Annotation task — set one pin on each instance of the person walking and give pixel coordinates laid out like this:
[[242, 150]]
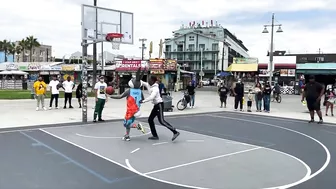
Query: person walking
[[238, 92], [313, 92], [157, 110], [223, 92], [191, 91], [101, 99], [79, 94], [68, 87], [54, 86], [40, 88], [267, 97]]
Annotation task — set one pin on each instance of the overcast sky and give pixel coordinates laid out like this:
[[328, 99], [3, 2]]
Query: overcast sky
[[307, 24]]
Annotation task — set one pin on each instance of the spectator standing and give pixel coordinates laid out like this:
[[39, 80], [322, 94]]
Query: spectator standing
[[191, 91], [267, 97], [223, 92], [68, 87], [54, 86], [258, 96], [101, 99], [79, 94], [329, 101], [238, 92], [249, 100], [40, 88]]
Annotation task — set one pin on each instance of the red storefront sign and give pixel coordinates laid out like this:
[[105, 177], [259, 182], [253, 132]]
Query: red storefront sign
[[129, 65], [170, 65]]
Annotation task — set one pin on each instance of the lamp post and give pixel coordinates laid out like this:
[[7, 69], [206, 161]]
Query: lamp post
[[201, 72], [143, 47], [270, 67]]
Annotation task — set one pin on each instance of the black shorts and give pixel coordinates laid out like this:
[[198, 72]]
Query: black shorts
[[223, 98], [313, 104]]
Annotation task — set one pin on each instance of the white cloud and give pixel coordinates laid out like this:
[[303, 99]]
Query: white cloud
[[57, 22]]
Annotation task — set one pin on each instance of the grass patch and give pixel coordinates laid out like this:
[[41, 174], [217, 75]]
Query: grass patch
[[26, 94]]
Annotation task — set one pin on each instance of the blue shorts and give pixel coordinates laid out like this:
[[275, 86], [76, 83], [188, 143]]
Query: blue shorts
[[128, 123]]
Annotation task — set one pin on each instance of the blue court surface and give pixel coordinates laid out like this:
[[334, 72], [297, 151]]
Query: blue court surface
[[226, 150]]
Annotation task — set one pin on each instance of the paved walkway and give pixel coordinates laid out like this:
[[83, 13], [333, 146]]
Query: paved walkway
[[18, 113]]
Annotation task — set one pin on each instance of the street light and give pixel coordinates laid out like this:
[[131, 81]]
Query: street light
[[279, 30]]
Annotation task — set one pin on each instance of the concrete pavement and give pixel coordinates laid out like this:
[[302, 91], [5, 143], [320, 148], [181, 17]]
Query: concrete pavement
[[18, 113]]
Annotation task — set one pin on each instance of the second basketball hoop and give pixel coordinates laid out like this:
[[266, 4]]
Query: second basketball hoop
[[115, 39]]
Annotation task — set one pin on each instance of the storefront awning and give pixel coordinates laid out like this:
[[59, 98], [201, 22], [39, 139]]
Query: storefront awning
[[316, 72], [242, 68]]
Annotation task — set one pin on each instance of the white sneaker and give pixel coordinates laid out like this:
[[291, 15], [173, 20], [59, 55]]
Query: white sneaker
[[49, 108], [37, 108], [57, 108], [44, 108]]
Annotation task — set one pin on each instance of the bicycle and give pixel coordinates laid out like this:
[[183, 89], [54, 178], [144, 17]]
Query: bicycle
[[276, 97], [183, 102]]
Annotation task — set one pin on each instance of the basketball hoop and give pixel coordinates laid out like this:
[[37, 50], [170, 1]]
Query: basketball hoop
[[115, 39]]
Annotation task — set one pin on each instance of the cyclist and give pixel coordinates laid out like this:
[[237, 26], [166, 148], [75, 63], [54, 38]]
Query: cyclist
[[276, 91]]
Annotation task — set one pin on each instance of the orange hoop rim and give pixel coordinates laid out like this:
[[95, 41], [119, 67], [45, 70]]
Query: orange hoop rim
[[111, 36]]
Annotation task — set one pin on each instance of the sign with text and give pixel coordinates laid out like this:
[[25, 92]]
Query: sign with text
[[156, 66], [130, 65], [245, 60], [170, 65], [12, 67], [68, 67], [34, 67]]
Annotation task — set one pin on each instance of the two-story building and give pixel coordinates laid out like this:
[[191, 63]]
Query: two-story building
[[211, 48]]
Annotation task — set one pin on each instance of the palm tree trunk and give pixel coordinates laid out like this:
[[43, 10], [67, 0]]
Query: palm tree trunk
[[30, 55], [23, 54], [5, 51]]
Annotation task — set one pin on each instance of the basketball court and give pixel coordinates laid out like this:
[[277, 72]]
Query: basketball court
[[217, 151]]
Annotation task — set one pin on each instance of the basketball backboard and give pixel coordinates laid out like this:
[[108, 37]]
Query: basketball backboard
[[108, 21]]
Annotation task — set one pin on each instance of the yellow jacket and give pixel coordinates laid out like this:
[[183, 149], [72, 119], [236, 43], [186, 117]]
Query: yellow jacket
[[40, 87]]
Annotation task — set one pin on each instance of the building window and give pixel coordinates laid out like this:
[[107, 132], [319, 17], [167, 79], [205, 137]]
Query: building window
[[191, 38], [179, 57], [215, 46], [168, 48], [191, 47], [191, 56], [319, 59], [180, 48], [202, 46]]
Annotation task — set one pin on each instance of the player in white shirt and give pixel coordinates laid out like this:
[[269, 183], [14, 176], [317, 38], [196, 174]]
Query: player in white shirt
[[101, 99], [54, 86], [68, 87], [157, 110]]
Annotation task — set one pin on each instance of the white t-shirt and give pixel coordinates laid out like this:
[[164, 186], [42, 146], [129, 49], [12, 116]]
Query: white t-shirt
[[53, 84], [101, 90], [68, 85]]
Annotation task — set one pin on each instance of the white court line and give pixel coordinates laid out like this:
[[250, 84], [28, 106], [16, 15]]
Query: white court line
[[119, 164], [202, 160], [195, 140], [109, 137], [159, 143], [307, 177], [135, 150]]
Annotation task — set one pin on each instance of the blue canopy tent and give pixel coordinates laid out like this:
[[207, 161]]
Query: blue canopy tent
[[223, 74]]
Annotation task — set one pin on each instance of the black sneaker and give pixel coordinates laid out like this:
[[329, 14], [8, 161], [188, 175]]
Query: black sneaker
[[153, 138], [126, 138], [101, 120], [175, 136], [94, 121], [70, 107], [320, 122], [311, 121]]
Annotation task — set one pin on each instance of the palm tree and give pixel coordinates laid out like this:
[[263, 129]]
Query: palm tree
[[31, 44], [18, 50], [12, 49], [5, 46], [24, 46]]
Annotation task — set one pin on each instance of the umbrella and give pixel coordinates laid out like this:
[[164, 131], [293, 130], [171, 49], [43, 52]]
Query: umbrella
[[223, 74]]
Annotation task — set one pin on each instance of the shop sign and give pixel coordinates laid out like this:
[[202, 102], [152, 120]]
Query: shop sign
[[157, 72], [57, 68], [130, 65], [34, 67], [12, 67], [23, 68], [78, 68], [68, 68], [156, 66], [245, 60], [170, 65]]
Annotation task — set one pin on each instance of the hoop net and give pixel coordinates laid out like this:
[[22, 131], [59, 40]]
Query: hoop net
[[114, 39]]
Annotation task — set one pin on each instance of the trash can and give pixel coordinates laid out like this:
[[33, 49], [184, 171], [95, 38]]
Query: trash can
[[167, 103]]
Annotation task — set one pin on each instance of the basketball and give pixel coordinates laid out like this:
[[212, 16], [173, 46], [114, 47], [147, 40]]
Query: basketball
[[110, 90]]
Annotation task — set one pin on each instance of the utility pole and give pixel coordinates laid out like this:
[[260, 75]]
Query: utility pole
[[94, 63], [143, 47]]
